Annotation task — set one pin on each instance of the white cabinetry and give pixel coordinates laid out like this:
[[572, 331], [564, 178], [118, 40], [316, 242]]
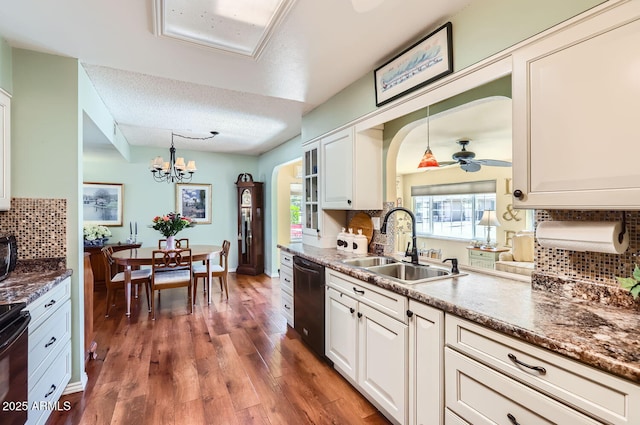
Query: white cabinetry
[[490, 376], [366, 336], [426, 378], [286, 286], [575, 126], [49, 349], [351, 170], [320, 228], [5, 151]]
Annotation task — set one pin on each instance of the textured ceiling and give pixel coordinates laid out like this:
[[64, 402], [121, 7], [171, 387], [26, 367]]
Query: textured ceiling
[[155, 85]]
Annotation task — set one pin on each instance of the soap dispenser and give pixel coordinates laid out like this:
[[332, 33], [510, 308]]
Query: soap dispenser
[[349, 241], [360, 243]]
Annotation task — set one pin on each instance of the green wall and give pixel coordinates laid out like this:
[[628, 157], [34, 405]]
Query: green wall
[[480, 30], [145, 198], [45, 156], [268, 166]]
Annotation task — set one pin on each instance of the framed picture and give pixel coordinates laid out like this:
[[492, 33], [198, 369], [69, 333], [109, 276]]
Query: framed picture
[[194, 201], [102, 203], [426, 61]]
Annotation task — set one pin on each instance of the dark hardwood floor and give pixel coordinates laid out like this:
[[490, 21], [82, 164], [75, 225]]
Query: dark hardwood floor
[[232, 362]]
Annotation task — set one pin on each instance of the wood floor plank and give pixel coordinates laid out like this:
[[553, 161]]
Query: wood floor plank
[[233, 361]]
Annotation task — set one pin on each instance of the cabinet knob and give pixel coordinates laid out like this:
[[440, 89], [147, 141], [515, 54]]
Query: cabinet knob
[[349, 201], [409, 313], [518, 194], [359, 314], [352, 310]]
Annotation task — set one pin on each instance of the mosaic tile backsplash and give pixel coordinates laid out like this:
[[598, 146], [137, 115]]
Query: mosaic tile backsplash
[[40, 227], [588, 275]]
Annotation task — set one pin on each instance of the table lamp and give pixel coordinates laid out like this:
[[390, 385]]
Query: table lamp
[[489, 219]]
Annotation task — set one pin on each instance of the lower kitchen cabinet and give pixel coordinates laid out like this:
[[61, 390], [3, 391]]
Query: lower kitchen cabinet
[[367, 346], [426, 376], [286, 287], [489, 376], [49, 363]]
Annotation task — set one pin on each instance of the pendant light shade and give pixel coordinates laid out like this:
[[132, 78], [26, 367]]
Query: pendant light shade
[[428, 159]]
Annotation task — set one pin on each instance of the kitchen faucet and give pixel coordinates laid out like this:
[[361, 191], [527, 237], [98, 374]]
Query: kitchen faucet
[[414, 249]]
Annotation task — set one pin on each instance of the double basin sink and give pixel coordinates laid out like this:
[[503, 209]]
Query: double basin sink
[[398, 270]]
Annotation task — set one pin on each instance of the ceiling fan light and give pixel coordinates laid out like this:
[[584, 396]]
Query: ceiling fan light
[[428, 160]]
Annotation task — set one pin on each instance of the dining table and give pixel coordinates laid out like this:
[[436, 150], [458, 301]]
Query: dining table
[[143, 256]]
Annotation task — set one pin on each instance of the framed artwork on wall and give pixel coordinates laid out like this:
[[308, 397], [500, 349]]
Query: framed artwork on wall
[[424, 62], [102, 203], [194, 201]]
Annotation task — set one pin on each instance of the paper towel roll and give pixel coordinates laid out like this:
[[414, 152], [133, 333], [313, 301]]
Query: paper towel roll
[[593, 236]]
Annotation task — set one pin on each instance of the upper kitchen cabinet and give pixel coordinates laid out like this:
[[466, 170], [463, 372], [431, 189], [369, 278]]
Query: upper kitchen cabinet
[[352, 170], [5, 151], [576, 97]]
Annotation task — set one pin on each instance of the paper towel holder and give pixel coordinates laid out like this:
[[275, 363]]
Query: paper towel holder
[[624, 228]]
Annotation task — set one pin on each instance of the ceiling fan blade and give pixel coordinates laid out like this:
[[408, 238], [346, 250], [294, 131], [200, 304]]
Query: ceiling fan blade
[[445, 163], [470, 167], [493, 162]]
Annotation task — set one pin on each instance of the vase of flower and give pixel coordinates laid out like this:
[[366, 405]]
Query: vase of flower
[[171, 242], [169, 225]]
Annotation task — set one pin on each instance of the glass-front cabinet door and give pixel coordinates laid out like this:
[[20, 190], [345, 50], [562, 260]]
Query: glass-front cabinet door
[[311, 190]]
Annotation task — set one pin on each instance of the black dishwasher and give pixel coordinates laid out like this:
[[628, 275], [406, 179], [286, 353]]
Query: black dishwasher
[[308, 303]]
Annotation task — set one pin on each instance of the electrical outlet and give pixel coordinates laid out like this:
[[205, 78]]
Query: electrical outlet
[[376, 223]]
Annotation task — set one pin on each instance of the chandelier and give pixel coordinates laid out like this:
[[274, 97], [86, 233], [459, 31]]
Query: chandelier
[[175, 170]]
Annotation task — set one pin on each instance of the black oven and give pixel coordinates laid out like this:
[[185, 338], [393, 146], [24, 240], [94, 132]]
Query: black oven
[[14, 351]]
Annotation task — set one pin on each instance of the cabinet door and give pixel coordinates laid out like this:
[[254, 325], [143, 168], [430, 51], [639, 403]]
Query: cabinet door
[[311, 190], [5, 151], [575, 127], [341, 329], [337, 170], [383, 369], [426, 342]]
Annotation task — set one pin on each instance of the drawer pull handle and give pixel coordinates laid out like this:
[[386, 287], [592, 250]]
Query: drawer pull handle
[[50, 303], [352, 310], [538, 369], [287, 307], [51, 342], [51, 391], [358, 291], [286, 258], [287, 280], [512, 419]]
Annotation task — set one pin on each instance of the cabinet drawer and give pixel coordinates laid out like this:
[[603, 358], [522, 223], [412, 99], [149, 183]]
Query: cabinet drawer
[[481, 395], [41, 308], [600, 394], [387, 302], [482, 254], [286, 305], [286, 259], [50, 387], [47, 338], [286, 279]]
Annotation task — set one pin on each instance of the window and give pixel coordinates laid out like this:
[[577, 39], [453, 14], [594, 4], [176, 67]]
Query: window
[[453, 210], [295, 204]]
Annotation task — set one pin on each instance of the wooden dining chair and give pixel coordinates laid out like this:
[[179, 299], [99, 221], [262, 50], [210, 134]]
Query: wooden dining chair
[[220, 271], [171, 269], [180, 243], [114, 280]]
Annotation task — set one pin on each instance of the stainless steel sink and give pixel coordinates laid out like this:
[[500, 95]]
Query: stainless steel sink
[[411, 273], [369, 261]]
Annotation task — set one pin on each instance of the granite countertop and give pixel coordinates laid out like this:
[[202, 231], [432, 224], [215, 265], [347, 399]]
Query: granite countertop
[[600, 336], [28, 286]]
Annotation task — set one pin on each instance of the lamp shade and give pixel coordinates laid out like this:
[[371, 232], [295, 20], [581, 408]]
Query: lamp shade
[[428, 160], [489, 218]]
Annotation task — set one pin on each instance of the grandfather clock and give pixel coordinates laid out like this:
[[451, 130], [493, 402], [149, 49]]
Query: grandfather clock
[[250, 225]]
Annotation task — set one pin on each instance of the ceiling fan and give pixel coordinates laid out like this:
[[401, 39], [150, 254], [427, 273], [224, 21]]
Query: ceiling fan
[[467, 160]]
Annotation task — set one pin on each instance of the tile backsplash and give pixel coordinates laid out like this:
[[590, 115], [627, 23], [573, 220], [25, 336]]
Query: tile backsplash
[[40, 227], [587, 275]]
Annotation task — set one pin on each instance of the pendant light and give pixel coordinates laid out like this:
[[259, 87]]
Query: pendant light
[[428, 159]]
